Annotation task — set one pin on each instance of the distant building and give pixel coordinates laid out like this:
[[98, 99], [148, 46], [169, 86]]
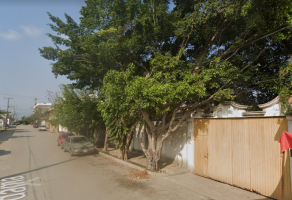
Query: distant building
[[43, 109], [43, 106]]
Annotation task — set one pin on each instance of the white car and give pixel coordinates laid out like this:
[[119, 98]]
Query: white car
[[42, 128]]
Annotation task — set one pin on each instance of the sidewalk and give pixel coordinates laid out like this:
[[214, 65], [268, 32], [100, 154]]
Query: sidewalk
[[138, 158], [202, 187]]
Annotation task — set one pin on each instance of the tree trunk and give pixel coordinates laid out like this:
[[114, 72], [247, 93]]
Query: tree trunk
[[126, 155], [96, 141], [106, 140], [153, 154], [122, 153], [124, 150]]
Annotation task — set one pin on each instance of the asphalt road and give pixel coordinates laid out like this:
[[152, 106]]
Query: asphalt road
[[33, 167]]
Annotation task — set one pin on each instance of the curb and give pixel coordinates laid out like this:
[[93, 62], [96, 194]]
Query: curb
[[131, 165]]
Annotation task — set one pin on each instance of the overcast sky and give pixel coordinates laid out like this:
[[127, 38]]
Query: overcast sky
[[24, 74]]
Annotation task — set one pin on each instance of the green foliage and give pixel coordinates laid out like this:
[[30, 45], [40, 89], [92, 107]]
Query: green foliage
[[2, 113], [38, 115], [116, 108], [77, 111]]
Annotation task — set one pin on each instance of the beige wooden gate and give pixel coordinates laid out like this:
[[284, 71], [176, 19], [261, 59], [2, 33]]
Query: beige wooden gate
[[243, 152]]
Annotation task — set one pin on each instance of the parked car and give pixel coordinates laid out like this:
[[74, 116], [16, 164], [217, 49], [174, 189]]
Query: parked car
[[35, 125], [63, 136], [42, 128], [78, 145]]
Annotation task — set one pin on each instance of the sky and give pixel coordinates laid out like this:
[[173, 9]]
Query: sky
[[24, 74]]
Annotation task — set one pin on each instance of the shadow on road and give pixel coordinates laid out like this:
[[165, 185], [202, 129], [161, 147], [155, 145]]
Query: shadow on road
[[4, 136], [37, 169], [3, 152], [13, 137], [21, 130]]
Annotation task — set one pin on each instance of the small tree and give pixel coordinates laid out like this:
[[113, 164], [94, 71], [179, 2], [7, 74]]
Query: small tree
[[120, 119], [77, 110]]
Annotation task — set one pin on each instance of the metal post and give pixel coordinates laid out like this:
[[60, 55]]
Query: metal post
[[7, 111]]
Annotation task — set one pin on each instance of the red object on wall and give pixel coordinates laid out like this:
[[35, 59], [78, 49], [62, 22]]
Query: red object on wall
[[285, 141]]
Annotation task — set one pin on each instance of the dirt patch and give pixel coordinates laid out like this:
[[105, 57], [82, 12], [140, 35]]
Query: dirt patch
[[139, 174]]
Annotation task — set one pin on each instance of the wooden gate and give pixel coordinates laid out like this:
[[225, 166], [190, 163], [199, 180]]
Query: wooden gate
[[243, 152]]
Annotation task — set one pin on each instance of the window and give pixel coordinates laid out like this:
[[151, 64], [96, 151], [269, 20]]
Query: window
[[67, 135], [79, 139]]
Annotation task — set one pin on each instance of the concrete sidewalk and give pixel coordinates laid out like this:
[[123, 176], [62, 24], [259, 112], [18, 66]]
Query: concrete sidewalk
[[200, 187]]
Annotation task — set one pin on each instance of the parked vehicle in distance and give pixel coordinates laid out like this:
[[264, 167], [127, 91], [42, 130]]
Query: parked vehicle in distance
[[42, 128], [35, 125], [78, 145], [63, 136]]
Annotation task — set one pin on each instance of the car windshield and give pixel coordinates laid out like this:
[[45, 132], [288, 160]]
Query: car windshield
[[66, 135], [79, 139], [42, 126]]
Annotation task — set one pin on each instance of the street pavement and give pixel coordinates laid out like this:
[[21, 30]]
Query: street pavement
[[33, 167]]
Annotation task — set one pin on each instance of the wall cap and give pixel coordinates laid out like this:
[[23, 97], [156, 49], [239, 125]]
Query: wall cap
[[270, 103], [254, 113]]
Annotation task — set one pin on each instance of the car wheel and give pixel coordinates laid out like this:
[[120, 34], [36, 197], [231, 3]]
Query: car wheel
[[62, 146], [58, 143], [71, 152]]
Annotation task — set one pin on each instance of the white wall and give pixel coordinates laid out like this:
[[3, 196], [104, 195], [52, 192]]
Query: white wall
[[178, 147], [62, 129]]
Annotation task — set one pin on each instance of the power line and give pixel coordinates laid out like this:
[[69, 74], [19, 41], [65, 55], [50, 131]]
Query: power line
[[21, 96]]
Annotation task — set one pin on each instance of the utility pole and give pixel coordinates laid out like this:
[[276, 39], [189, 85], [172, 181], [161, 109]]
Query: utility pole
[[7, 111], [35, 100], [14, 118]]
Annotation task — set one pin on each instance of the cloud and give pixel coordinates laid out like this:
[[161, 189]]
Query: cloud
[[10, 35], [31, 31]]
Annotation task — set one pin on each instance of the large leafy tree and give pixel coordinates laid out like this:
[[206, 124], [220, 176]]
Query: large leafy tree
[[173, 62]]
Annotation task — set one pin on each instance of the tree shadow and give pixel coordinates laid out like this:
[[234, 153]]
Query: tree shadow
[[21, 131], [37, 169], [22, 136], [3, 152], [6, 135]]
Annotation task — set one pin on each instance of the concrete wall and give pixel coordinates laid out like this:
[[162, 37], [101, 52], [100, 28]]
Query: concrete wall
[[178, 147], [230, 109]]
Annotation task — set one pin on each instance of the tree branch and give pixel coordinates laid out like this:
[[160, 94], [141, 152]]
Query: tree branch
[[148, 120]]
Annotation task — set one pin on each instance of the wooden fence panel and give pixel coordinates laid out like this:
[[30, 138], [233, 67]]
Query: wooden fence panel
[[219, 151], [244, 152], [240, 153], [257, 156], [201, 149]]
